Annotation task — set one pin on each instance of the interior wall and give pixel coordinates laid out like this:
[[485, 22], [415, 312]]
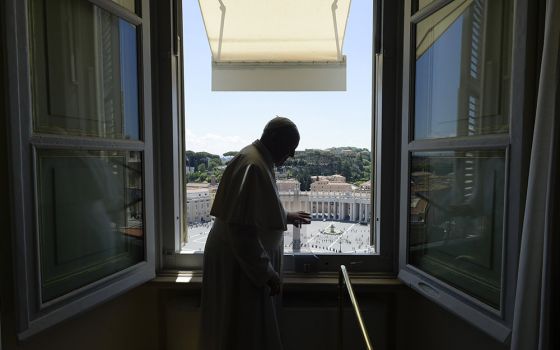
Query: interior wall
[[425, 325], [154, 317], [308, 319], [314, 325], [128, 322], [397, 319]]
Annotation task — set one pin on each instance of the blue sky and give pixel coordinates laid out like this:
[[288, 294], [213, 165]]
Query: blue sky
[[218, 122]]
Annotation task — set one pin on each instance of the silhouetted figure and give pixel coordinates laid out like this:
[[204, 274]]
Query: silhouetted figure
[[243, 254]]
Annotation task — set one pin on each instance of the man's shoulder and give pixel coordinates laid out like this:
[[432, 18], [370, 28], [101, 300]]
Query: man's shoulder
[[250, 155]]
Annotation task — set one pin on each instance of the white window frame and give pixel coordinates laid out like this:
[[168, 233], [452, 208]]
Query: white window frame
[[384, 107], [32, 314]]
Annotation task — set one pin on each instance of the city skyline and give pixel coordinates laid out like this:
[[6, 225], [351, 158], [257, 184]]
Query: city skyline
[[218, 122]]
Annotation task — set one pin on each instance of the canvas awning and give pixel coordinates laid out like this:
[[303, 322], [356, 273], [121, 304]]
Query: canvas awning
[[276, 34]]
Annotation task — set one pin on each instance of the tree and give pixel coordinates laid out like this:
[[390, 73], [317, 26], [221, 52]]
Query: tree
[[213, 163], [201, 168]]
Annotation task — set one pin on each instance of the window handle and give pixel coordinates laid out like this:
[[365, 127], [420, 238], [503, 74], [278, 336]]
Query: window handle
[[427, 289]]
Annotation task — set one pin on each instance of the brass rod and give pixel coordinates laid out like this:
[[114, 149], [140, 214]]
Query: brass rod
[[356, 307]]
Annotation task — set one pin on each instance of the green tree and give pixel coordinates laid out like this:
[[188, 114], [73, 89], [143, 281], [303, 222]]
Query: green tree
[[213, 163]]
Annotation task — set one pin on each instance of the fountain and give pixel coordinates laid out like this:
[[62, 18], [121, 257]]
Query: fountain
[[331, 230]]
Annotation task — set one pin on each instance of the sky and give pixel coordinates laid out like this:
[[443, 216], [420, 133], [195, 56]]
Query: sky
[[218, 122]]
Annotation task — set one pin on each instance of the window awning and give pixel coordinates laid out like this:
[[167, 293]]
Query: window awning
[[256, 33]]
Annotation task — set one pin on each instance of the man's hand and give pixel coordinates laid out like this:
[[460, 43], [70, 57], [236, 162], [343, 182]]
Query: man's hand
[[274, 284], [297, 218]]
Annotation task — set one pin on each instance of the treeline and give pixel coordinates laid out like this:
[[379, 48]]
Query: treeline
[[351, 162], [204, 166]]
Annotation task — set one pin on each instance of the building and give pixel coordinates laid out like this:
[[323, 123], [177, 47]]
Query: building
[[199, 199], [199, 203], [332, 183], [288, 185], [330, 197]]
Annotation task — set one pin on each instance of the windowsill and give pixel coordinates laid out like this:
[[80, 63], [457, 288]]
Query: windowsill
[[193, 279]]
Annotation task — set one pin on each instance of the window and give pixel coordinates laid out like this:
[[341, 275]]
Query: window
[[179, 164], [82, 144], [457, 191], [331, 174]]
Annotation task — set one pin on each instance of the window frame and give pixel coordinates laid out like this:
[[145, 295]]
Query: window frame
[[386, 60], [496, 323], [34, 315]]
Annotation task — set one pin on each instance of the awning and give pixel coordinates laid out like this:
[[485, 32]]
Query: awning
[[276, 34]]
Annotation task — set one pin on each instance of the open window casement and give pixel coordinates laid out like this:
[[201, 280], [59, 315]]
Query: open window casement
[[81, 154], [460, 146], [276, 45]]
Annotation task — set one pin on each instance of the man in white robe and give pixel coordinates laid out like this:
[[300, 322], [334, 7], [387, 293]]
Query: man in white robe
[[244, 249]]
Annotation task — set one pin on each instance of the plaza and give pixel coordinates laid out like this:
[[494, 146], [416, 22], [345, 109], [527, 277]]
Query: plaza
[[353, 239]]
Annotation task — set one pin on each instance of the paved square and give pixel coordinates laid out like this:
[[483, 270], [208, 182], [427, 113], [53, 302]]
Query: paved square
[[353, 239]]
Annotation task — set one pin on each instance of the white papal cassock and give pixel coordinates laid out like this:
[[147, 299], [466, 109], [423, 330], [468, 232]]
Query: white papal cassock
[[243, 251]]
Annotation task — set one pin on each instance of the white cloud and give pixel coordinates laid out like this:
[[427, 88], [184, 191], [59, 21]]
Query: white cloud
[[213, 143]]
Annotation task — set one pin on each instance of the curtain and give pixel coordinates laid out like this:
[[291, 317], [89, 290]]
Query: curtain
[[532, 312]]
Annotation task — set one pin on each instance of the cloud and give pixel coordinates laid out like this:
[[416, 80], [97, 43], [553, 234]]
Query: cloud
[[213, 143]]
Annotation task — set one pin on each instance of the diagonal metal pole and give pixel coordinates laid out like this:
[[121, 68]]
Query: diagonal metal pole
[[340, 307]]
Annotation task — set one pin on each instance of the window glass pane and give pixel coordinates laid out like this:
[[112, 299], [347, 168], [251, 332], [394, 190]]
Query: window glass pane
[[90, 216], [129, 4], [456, 219], [85, 71], [462, 70]]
